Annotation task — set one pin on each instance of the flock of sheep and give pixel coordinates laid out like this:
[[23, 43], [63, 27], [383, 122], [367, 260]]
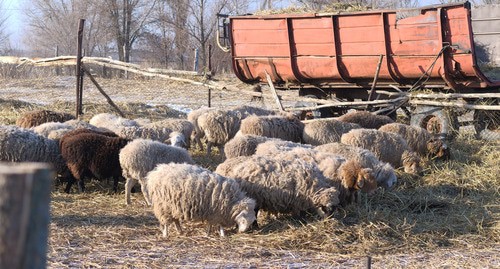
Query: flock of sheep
[[273, 161]]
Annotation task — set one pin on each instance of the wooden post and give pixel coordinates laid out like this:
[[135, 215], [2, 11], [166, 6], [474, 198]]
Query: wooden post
[[58, 69], [375, 79], [24, 214], [195, 64], [209, 97], [79, 73], [209, 59]]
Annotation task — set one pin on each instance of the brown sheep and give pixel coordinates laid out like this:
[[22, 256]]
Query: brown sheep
[[93, 155], [366, 119], [35, 118]]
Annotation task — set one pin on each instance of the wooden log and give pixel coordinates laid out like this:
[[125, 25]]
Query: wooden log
[[390, 102], [24, 214], [456, 95]]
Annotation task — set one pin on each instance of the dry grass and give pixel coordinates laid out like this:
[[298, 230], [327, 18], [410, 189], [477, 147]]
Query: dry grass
[[447, 218]]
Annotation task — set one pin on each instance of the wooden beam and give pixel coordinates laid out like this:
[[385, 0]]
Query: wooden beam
[[455, 104], [108, 99], [273, 92]]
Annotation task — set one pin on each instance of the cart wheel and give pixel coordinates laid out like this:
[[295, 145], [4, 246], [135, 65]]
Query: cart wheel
[[486, 124], [436, 120]]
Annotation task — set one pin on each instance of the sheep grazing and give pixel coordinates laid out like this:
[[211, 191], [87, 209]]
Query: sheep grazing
[[23, 145], [323, 131], [35, 118], [55, 130], [243, 145], [90, 154], [388, 147], [273, 146], [197, 133], [184, 192], [219, 126], [419, 139], [111, 121], [283, 186], [366, 119], [140, 156], [282, 127], [347, 176], [384, 172], [184, 127]]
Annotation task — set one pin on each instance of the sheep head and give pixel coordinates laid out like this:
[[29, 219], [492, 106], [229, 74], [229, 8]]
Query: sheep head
[[246, 216], [411, 162], [325, 201], [177, 139], [355, 178], [438, 148], [385, 176]]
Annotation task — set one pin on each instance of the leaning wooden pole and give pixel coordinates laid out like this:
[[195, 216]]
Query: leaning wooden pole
[[99, 88], [78, 71], [24, 214]]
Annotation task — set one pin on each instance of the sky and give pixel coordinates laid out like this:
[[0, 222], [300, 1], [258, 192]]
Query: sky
[[15, 25]]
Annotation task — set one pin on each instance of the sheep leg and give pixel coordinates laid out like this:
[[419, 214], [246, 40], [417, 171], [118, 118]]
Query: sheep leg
[[164, 229], [71, 180], [209, 148], [128, 187], [145, 193], [115, 184], [255, 225], [221, 151], [221, 231], [209, 229], [81, 185], [178, 226]]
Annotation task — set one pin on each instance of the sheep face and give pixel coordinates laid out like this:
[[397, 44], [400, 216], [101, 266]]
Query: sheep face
[[244, 220], [366, 181], [437, 148], [325, 201], [177, 140], [386, 177], [411, 163]]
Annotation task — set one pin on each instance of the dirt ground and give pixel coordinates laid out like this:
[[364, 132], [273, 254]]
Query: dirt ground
[[97, 230]]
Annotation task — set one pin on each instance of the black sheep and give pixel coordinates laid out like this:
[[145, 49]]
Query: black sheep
[[91, 154]]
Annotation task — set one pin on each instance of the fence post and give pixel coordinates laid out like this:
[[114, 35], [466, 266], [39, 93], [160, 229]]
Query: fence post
[[24, 214], [195, 64], [79, 73]]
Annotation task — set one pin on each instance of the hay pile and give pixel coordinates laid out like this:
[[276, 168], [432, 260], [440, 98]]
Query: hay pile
[[450, 217]]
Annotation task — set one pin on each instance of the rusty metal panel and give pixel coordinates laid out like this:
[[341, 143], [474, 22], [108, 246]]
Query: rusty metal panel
[[313, 48]]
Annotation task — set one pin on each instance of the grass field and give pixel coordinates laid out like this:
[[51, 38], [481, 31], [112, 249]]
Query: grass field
[[448, 218]]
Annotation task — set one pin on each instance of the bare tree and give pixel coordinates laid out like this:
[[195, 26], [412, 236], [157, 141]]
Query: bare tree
[[4, 37], [53, 24], [128, 19]]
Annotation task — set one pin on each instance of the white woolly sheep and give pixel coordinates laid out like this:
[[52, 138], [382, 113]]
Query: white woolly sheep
[[419, 139], [23, 145], [366, 119], [55, 130], [283, 186], [274, 146], [283, 127], [388, 147], [219, 126], [197, 134], [141, 156], [323, 131], [383, 172], [184, 192], [348, 176], [111, 121], [185, 127], [243, 145], [37, 117]]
